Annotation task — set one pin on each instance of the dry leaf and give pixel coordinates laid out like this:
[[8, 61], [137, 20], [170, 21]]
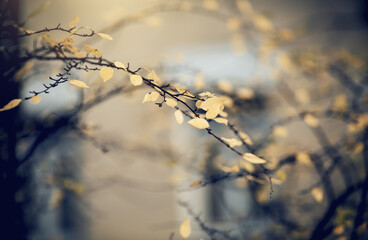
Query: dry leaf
[[245, 138], [35, 99], [151, 97], [92, 50], [67, 41], [339, 230], [246, 165], [262, 23], [232, 141], [55, 198], [196, 183], [253, 158], [136, 80], [244, 6], [213, 106], [171, 102], [221, 120], [280, 131], [119, 65], [154, 77], [179, 116], [210, 4], [78, 83], [302, 96], [185, 229], [12, 104], [234, 23], [199, 123], [49, 40], [225, 86], [224, 114], [304, 158], [204, 94], [245, 93], [106, 73], [317, 194], [104, 36], [311, 120], [74, 22], [341, 103], [199, 82]]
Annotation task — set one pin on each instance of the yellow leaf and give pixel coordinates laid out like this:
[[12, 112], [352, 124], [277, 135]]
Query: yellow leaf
[[285, 62], [199, 123], [12, 104], [224, 114], [359, 147], [213, 106], [74, 22], [302, 95], [244, 6], [179, 116], [170, 102], [210, 4], [253, 158], [304, 158], [199, 82], [92, 50], [339, 230], [151, 97], [225, 86], [35, 99], [234, 23], [262, 23], [221, 120], [280, 131], [55, 198], [67, 41], [24, 70], [196, 183], [78, 83], [136, 80], [106, 73], [233, 169], [341, 103], [119, 65], [185, 229], [232, 141], [75, 51], [245, 138], [281, 175], [246, 165], [152, 75], [245, 93], [28, 31], [286, 35], [204, 94], [49, 40], [317, 194], [198, 104], [311, 120], [104, 36], [362, 228]]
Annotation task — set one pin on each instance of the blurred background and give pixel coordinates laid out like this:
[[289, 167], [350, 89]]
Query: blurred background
[[294, 74]]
